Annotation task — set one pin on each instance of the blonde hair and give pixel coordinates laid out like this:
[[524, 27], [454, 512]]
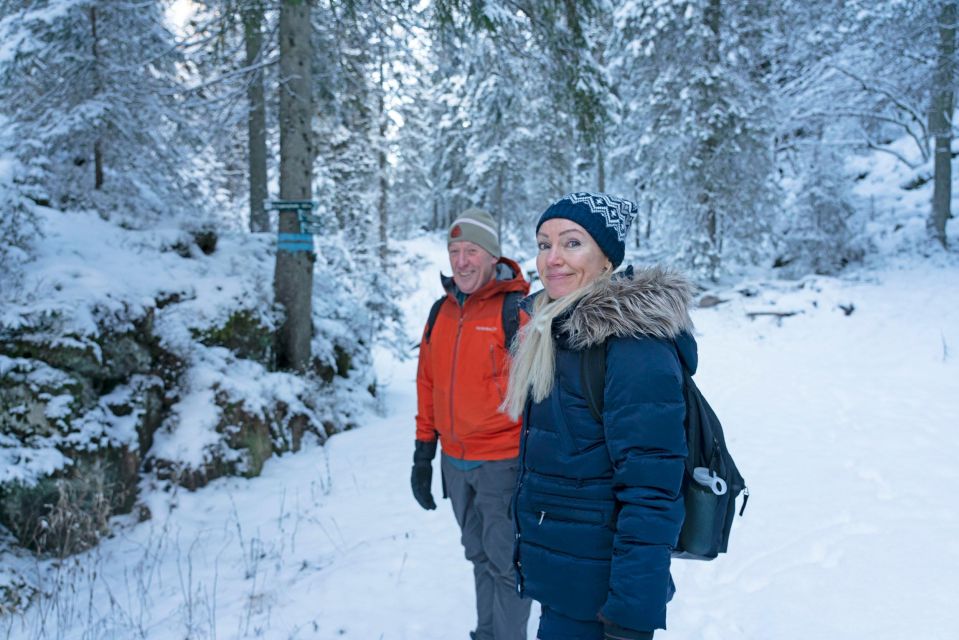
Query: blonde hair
[[534, 354]]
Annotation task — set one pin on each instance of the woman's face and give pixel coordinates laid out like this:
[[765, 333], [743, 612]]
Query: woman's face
[[568, 257]]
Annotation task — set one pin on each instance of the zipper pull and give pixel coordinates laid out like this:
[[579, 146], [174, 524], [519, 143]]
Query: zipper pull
[[542, 514]]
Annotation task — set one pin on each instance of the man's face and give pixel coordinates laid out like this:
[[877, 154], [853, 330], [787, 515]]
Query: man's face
[[472, 265]]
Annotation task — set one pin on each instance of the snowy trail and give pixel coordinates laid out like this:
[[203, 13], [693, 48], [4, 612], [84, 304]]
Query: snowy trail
[[846, 428]]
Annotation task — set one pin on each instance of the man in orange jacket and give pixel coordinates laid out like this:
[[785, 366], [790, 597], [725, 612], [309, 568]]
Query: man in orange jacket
[[460, 383]]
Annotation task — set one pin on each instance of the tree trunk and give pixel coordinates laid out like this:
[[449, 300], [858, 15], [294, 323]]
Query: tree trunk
[[636, 226], [97, 88], [382, 166], [649, 222], [97, 164], [256, 117], [293, 278], [941, 122], [600, 167], [498, 201], [713, 20]]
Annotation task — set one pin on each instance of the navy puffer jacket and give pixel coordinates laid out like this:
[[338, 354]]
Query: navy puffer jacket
[[598, 507]]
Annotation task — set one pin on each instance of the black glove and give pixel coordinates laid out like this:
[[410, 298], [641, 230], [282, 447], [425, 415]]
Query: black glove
[[422, 477], [612, 631]]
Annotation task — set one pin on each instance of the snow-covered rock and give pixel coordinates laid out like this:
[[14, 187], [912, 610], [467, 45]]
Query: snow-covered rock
[[125, 352]]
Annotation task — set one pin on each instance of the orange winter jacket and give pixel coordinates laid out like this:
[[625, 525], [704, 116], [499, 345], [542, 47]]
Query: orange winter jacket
[[462, 374]]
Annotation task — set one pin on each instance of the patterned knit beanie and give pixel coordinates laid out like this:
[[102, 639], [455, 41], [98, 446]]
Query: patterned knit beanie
[[606, 218], [475, 225]]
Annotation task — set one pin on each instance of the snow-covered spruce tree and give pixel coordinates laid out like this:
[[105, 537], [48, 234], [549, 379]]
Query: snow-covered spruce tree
[[19, 227], [449, 122], [573, 74], [695, 139], [494, 129], [253, 14], [443, 105], [348, 135], [360, 48], [91, 97], [412, 188], [816, 229], [525, 99], [229, 50], [815, 224], [857, 78], [502, 129], [899, 63]]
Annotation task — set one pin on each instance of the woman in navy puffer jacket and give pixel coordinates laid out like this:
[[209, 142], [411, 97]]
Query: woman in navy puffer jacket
[[598, 505]]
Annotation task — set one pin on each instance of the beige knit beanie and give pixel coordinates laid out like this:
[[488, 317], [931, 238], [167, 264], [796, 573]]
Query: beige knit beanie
[[475, 225]]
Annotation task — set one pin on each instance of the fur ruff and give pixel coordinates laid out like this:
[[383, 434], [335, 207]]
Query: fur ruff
[[654, 302]]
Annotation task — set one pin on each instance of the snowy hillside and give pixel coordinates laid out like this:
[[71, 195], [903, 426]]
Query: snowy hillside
[[842, 418], [130, 354]]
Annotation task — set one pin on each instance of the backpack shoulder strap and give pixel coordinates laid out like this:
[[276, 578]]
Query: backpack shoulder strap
[[431, 320], [511, 316], [592, 369]]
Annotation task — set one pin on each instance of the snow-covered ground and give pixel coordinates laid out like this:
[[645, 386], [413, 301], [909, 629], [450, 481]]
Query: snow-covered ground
[[846, 427]]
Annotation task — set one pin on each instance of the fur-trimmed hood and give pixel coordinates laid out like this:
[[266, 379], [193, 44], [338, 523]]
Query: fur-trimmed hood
[[650, 301]]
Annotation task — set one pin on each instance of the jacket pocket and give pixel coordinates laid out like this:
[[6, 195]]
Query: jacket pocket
[[568, 510], [578, 528]]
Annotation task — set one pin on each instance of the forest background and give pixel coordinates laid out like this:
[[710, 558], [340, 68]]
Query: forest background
[[153, 338]]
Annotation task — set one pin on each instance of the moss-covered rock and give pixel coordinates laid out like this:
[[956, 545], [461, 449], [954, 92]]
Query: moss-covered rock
[[154, 405], [247, 432], [37, 400], [250, 437], [206, 239], [339, 365], [104, 361], [78, 355], [344, 361], [81, 412], [123, 356], [244, 334], [52, 391]]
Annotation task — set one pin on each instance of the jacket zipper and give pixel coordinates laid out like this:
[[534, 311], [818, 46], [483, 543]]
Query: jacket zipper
[[456, 350], [517, 561], [492, 361]]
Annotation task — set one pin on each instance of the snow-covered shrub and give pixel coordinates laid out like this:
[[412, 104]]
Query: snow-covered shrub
[[818, 229], [18, 222]]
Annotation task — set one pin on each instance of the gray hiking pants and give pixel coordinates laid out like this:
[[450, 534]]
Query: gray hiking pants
[[480, 499]]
